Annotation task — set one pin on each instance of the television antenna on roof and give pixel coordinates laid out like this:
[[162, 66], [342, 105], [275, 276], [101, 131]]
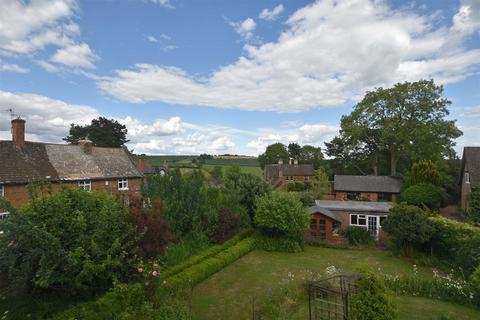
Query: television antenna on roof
[[12, 114]]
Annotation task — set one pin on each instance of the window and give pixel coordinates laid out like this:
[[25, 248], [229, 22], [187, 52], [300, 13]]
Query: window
[[353, 195], [384, 196], [358, 220], [467, 177], [322, 230], [306, 178], [123, 184], [313, 227], [382, 219], [2, 190], [336, 228], [85, 185]]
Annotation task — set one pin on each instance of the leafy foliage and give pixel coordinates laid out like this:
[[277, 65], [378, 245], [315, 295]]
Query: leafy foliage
[[298, 186], [102, 132], [72, 241], [474, 206], [272, 154], [409, 226], [424, 194], [372, 301], [152, 230], [475, 284], [228, 223], [358, 236], [425, 171], [401, 125]]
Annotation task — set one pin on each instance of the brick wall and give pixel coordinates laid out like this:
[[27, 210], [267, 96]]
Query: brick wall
[[18, 194]]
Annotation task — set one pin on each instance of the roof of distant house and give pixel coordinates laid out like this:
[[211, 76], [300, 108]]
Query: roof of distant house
[[367, 184], [357, 206], [272, 170], [325, 212], [62, 162], [471, 161]]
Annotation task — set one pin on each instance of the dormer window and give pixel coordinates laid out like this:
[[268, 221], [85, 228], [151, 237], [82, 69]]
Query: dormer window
[[467, 177]]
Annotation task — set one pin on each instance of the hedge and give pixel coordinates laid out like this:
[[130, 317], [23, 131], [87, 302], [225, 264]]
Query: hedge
[[456, 242], [210, 252], [278, 243], [196, 274]]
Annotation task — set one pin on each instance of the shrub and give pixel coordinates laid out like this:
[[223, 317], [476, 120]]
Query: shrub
[[297, 186], [371, 300], [474, 206], [277, 243], [152, 230], [456, 242], [358, 236], [425, 171], [409, 226], [281, 215], [228, 222], [72, 241], [306, 199], [175, 253], [475, 285], [424, 194]]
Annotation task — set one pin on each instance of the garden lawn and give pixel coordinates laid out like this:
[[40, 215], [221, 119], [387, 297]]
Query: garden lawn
[[229, 293]]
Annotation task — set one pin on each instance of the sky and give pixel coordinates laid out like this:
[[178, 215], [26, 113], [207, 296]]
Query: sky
[[191, 77]]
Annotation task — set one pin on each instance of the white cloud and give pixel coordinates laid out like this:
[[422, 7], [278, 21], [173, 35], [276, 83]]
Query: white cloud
[[331, 52], [244, 28], [271, 15], [164, 3], [75, 55], [11, 67], [47, 66], [152, 39]]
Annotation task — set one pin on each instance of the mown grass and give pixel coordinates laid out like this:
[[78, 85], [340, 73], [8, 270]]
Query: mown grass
[[230, 293]]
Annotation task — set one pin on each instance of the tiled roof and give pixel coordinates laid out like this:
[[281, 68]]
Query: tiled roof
[[325, 212], [62, 162], [357, 206], [367, 184], [471, 163]]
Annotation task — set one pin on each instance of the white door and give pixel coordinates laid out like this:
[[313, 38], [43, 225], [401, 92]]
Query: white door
[[372, 226]]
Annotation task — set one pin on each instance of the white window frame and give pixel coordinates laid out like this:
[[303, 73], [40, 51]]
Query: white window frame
[[85, 185], [122, 184], [366, 217], [467, 177]]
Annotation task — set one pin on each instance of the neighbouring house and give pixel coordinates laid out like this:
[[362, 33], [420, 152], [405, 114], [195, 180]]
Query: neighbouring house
[[280, 174], [328, 217], [81, 166], [366, 188], [470, 174]]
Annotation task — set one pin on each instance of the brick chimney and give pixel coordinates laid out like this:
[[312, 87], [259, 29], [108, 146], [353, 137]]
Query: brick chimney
[[141, 165], [18, 132]]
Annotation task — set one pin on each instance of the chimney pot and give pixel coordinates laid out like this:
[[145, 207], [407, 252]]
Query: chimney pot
[[18, 132]]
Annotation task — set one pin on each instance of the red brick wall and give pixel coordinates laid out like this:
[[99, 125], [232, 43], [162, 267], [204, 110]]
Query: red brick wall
[[18, 194]]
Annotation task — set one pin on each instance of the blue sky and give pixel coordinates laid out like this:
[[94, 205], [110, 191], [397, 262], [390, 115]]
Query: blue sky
[[188, 77]]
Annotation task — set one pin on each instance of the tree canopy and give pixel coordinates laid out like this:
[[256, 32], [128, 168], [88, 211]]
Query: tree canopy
[[392, 128], [102, 132], [306, 154]]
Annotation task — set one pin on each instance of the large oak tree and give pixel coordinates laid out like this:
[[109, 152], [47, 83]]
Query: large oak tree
[[403, 124]]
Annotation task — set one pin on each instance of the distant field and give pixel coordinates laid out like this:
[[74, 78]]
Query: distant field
[[247, 165]]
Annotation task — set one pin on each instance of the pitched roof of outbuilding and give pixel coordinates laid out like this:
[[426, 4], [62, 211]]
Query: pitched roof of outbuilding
[[357, 206], [367, 184], [325, 212], [471, 162], [272, 170], [62, 162]]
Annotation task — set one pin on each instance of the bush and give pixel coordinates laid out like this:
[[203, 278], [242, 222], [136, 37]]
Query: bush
[[424, 194], [191, 244], [371, 300], [276, 243], [456, 242], [475, 285], [358, 236], [297, 186], [152, 230], [425, 171], [474, 206], [227, 224], [280, 215], [72, 241], [306, 199], [409, 226]]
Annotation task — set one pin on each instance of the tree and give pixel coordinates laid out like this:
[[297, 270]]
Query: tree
[[425, 171], [217, 173], [102, 132], [321, 185], [406, 123], [474, 206], [409, 226], [294, 150], [311, 155], [272, 154], [72, 241]]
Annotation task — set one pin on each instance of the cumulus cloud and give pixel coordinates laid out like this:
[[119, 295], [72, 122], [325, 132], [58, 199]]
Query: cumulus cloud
[[271, 15], [75, 55], [164, 3], [12, 67], [331, 52], [30, 26], [244, 28]]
